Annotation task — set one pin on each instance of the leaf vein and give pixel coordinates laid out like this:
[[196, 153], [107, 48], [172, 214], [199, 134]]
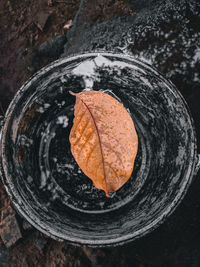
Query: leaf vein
[[85, 143], [112, 168], [81, 134], [80, 120], [116, 153], [94, 146]]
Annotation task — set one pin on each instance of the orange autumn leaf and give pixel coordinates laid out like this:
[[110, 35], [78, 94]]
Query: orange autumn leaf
[[103, 140]]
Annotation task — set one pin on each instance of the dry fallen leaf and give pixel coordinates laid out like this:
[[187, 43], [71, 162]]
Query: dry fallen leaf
[[68, 25], [103, 140]]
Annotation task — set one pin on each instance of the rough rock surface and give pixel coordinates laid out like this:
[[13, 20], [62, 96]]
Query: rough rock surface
[[9, 228], [52, 48]]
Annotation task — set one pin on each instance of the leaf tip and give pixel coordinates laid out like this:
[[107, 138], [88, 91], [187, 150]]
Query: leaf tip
[[107, 194]]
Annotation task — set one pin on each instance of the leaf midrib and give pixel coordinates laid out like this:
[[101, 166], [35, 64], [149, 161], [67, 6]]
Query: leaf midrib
[[103, 162]]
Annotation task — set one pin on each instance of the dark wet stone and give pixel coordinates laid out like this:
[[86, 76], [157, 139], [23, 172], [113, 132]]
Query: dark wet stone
[[165, 34], [52, 48]]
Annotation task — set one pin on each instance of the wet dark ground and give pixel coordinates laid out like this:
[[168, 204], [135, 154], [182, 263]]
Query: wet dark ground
[[166, 35]]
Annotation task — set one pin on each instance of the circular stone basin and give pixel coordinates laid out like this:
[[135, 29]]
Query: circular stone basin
[[45, 183]]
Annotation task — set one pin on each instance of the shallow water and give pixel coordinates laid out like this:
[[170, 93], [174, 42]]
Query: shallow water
[[51, 186]]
